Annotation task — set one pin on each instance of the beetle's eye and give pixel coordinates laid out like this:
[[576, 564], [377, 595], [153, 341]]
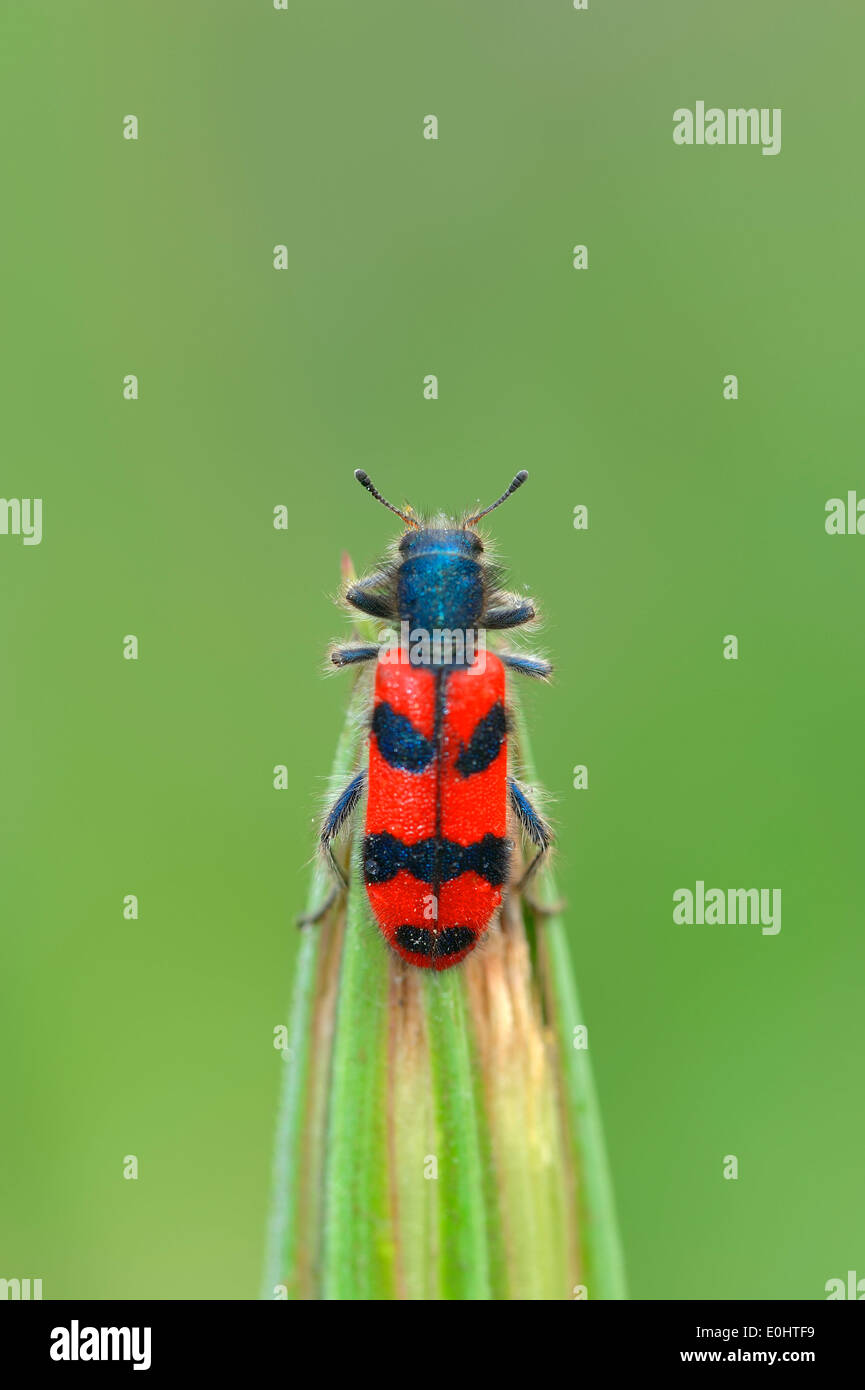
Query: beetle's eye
[[477, 544]]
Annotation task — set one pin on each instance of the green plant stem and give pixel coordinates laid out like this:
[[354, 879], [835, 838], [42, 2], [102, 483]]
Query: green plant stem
[[463, 1248], [285, 1227], [356, 1171]]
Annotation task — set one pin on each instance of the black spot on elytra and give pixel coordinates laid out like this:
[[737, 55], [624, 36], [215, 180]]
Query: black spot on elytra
[[384, 855], [399, 742], [452, 940], [483, 747], [421, 941], [418, 940]]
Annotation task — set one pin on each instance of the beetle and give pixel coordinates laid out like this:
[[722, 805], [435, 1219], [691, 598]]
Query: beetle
[[440, 798]]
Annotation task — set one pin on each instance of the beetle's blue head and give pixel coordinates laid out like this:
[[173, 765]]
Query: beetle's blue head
[[440, 578]]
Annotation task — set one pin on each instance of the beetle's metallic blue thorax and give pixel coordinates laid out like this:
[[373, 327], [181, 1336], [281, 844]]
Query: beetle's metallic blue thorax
[[440, 582]]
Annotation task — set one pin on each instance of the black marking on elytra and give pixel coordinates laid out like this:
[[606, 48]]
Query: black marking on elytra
[[421, 941], [399, 742], [452, 940], [434, 859], [483, 747]]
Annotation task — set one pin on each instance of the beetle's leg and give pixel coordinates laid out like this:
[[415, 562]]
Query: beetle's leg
[[532, 824], [512, 614], [371, 597], [538, 831], [526, 665], [353, 655], [339, 813], [309, 919]]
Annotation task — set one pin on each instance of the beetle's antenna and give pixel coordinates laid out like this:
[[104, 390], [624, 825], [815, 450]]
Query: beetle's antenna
[[366, 481], [518, 482]]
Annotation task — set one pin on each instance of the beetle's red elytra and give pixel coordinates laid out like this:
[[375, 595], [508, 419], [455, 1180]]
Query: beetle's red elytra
[[435, 851]]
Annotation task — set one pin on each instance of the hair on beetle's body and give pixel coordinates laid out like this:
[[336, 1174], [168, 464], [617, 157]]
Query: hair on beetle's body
[[439, 797]]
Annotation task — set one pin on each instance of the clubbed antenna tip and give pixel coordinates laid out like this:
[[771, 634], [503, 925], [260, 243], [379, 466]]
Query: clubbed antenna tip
[[366, 481], [517, 482]]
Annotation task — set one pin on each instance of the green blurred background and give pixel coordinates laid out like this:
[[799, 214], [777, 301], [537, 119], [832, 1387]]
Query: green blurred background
[[258, 387]]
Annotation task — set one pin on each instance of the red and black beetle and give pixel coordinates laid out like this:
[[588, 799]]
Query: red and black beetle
[[439, 796]]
